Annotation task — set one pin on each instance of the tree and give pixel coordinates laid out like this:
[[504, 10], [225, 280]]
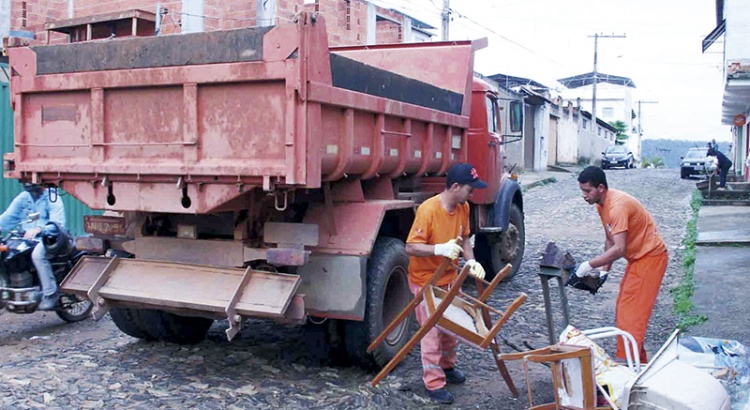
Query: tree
[[621, 127]]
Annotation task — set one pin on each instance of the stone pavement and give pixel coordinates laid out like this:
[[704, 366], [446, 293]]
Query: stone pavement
[[721, 276]]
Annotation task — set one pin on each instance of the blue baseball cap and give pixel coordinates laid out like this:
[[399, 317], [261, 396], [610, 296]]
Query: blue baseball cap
[[465, 174]]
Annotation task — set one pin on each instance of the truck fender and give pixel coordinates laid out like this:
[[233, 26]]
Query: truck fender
[[501, 210]]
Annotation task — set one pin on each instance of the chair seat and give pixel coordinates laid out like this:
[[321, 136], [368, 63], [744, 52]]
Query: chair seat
[[464, 315]]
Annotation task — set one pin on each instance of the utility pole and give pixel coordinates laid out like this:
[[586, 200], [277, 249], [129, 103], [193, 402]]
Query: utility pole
[[596, 37], [446, 17]]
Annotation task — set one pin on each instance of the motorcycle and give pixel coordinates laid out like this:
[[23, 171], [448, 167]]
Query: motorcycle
[[20, 288]]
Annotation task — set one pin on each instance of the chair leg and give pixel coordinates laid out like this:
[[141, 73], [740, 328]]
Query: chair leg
[[495, 347]]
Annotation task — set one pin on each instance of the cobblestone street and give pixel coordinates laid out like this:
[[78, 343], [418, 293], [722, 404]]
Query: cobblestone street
[[45, 363]]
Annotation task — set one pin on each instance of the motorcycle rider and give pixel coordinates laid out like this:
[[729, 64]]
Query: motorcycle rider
[[36, 199]]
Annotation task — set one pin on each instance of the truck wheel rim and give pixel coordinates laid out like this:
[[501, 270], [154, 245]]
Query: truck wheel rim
[[397, 296], [508, 246]]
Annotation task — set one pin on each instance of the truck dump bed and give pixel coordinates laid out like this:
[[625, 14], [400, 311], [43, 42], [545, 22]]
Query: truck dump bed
[[188, 123]]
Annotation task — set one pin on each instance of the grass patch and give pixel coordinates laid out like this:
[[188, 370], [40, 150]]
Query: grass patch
[[683, 306]]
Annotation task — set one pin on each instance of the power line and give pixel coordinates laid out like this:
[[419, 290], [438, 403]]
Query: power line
[[517, 44]]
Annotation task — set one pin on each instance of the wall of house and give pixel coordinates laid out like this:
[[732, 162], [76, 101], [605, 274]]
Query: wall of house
[[568, 123], [591, 144]]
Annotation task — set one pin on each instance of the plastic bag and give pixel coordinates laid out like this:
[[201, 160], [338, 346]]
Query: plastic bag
[[610, 375]]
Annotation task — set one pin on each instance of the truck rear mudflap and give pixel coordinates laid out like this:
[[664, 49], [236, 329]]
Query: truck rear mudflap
[[195, 290]]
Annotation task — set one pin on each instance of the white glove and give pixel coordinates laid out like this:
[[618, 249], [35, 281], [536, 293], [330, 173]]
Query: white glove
[[450, 249], [584, 269], [475, 268]]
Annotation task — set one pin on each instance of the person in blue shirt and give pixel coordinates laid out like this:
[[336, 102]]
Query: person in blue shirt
[[36, 199]]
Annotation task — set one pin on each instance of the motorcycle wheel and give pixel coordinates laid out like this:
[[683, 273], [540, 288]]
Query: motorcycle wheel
[[74, 312]]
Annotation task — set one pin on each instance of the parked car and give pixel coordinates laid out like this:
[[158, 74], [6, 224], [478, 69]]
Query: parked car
[[693, 163], [617, 156]]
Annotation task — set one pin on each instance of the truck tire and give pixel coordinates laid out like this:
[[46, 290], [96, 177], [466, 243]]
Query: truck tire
[[387, 295], [173, 328], [129, 322], [495, 251]]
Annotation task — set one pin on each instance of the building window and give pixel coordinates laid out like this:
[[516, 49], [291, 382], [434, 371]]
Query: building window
[[608, 112], [585, 124], [599, 131]]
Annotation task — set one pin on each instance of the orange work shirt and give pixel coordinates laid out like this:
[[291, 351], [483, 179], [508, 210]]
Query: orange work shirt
[[623, 213], [434, 225]]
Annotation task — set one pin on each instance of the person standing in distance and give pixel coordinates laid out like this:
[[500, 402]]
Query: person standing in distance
[[724, 165], [438, 222], [630, 233]]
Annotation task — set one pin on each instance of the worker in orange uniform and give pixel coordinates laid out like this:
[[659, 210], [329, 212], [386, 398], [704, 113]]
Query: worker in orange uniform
[[439, 221], [630, 233]]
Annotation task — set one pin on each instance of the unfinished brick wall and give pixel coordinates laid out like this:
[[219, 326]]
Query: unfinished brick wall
[[390, 28], [346, 19]]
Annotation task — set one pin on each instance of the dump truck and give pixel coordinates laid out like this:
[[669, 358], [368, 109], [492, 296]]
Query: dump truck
[[260, 173]]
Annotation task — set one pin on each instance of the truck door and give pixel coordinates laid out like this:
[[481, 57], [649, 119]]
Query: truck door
[[494, 151]]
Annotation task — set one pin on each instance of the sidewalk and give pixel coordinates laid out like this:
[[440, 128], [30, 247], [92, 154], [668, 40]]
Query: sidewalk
[[530, 179], [721, 277]]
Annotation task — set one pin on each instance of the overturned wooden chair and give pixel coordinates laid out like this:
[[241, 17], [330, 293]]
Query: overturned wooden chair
[[469, 319], [565, 362]]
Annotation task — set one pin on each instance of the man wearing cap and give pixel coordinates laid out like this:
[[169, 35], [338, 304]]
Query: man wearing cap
[[36, 199], [439, 221]]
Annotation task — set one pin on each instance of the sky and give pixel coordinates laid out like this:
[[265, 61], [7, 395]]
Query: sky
[[546, 40]]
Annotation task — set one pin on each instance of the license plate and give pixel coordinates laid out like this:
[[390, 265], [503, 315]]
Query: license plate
[[104, 225], [698, 168]]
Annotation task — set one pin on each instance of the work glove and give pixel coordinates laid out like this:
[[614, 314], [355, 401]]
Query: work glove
[[584, 269], [588, 283], [450, 249], [475, 269]]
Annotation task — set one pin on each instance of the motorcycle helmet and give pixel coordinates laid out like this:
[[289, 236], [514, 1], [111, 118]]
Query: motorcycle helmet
[[56, 240]]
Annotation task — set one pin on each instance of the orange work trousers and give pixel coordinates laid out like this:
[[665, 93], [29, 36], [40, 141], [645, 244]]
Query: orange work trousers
[[438, 349], [638, 291]]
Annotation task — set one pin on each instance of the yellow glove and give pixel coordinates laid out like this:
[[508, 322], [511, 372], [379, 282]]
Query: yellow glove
[[475, 269], [450, 249]]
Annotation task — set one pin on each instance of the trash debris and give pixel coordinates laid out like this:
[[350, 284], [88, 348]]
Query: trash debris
[[40, 337], [726, 360]]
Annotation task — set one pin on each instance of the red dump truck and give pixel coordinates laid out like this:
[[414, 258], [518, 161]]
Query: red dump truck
[[259, 173]]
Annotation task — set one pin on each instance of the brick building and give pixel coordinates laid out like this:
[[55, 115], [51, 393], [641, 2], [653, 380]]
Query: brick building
[[59, 21]]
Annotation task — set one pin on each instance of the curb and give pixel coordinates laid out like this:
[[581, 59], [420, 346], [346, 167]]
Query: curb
[[543, 181]]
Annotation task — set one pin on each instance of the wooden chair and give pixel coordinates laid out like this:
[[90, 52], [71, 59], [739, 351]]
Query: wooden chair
[[469, 319], [565, 361]]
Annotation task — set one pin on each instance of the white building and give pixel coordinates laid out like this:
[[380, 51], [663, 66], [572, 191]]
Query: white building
[[614, 102]]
